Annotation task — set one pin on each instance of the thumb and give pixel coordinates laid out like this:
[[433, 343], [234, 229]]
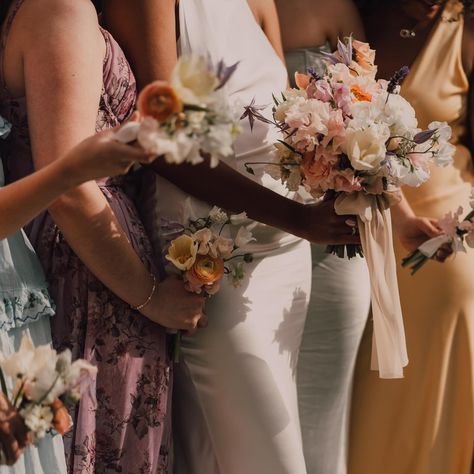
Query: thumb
[[430, 227]]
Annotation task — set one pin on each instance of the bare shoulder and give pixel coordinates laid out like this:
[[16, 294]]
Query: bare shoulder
[[261, 9], [48, 19]]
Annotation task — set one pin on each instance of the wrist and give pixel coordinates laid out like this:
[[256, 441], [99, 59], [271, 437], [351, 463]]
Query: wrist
[[146, 300]]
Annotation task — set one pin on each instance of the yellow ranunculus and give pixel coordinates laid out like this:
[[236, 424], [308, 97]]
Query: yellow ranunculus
[[182, 252]]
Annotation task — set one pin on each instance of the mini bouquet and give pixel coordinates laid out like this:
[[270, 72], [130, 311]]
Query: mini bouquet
[[188, 118], [349, 137], [201, 255], [455, 233], [44, 383]]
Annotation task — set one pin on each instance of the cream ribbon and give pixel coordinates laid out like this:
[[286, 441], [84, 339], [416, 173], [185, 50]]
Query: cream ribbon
[[389, 353], [430, 247]]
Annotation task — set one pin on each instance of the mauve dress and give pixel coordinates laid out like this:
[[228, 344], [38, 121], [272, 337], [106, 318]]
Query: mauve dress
[[128, 430]]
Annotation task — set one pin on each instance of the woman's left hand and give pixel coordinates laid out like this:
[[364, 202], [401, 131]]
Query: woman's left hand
[[416, 230]]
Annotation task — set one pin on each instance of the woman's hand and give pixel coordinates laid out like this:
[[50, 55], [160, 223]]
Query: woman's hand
[[13, 432], [415, 230], [173, 307], [100, 155], [321, 225]]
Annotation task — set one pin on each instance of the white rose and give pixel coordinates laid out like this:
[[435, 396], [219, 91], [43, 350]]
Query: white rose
[[366, 148], [194, 80]]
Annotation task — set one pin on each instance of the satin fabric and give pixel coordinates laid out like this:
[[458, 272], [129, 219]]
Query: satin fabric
[[424, 424]]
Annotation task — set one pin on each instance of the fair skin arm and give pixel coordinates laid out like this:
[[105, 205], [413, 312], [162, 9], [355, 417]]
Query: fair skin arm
[[63, 80], [265, 14], [96, 157], [229, 189]]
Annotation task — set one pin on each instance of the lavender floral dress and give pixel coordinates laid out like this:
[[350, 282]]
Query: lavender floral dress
[[127, 430]]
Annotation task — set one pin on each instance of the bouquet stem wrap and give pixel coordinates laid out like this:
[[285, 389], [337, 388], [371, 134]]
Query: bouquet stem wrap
[[389, 353]]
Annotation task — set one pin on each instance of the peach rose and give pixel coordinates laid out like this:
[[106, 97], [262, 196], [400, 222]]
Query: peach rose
[[62, 421], [364, 57], [205, 271], [159, 100]]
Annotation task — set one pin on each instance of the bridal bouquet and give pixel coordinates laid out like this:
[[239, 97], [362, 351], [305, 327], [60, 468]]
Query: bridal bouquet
[[455, 232], [187, 118], [201, 255], [349, 137], [44, 382]]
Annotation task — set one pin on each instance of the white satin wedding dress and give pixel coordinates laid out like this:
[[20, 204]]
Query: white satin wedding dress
[[235, 402]]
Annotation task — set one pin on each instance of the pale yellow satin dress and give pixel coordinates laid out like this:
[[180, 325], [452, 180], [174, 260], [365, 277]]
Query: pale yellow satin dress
[[424, 423]]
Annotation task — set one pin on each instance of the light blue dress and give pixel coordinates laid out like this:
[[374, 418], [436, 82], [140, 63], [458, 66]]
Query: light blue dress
[[25, 308], [337, 314]]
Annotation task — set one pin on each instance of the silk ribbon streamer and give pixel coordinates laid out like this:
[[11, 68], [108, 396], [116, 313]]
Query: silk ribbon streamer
[[430, 247], [389, 353]]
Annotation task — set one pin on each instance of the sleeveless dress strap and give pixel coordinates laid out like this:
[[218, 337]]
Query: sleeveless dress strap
[[5, 30]]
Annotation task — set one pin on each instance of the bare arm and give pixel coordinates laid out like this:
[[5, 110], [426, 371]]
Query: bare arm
[[267, 17], [230, 189], [97, 156], [134, 24], [63, 80]]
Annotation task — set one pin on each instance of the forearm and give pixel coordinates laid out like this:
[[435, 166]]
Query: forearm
[[93, 232], [23, 200], [228, 189]]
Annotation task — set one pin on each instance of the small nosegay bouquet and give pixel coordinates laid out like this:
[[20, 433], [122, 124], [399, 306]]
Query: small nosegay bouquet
[[44, 384], [455, 233], [201, 255], [188, 118]]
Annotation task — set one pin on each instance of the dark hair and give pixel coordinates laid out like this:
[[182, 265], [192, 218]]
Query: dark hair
[[4, 7], [367, 4]]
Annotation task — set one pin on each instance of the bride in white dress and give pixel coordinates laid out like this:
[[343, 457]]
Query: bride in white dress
[[235, 404]]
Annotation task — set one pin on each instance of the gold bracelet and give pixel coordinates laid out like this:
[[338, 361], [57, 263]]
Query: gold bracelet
[[150, 296]]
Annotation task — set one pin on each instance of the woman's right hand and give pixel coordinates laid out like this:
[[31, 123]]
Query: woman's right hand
[[101, 155], [321, 225], [173, 307]]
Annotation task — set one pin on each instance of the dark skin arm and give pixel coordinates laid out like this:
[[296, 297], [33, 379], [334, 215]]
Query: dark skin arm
[[229, 190]]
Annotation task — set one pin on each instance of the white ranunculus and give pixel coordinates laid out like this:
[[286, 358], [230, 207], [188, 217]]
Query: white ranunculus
[[243, 237], [366, 148], [399, 114], [194, 80]]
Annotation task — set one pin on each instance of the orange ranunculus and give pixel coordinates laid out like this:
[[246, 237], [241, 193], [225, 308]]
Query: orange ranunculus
[[159, 100], [205, 271], [302, 80], [62, 421], [360, 95]]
